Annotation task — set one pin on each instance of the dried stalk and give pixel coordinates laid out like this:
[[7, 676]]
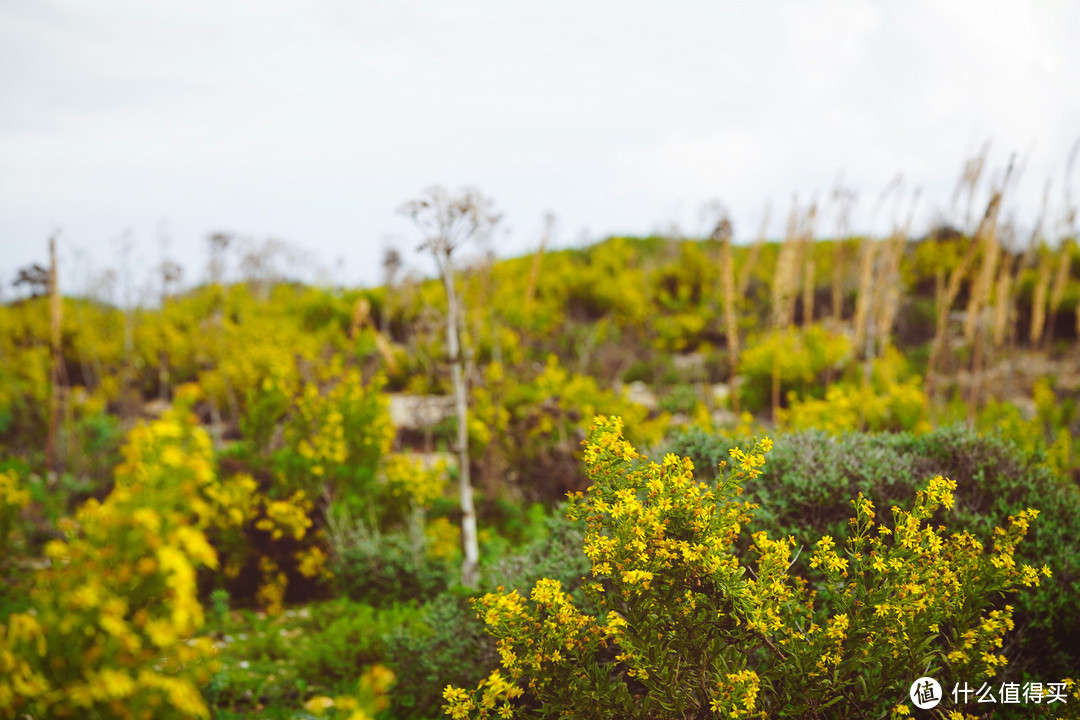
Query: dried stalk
[[727, 280], [844, 198], [944, 300], [1003, 302], [807, 251], [864, 297], [1061, 280], [888, 282], [753, 255], [55, 394], [534, 271], [1038, 301], [786, 276]]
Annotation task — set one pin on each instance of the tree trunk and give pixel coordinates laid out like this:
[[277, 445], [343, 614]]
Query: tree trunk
[[470, 568]]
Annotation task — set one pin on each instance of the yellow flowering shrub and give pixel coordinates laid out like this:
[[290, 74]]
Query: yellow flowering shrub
[[336, 436], [418, 483], [13, 499], [797, 357], [890, 400], [370, 698], [853, 406], [690, 624], [111, 632]]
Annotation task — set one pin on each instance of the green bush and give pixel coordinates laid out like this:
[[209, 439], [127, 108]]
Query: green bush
[[451, 648], [381, 569]]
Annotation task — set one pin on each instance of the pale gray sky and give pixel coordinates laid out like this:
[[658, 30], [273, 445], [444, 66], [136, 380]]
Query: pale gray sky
[[312, 121]]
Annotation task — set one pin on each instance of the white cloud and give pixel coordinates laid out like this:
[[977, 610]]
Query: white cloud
[[314, 120]]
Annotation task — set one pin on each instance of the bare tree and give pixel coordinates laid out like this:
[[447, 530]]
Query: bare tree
[[35, 277], [448, 221], [218, 243]]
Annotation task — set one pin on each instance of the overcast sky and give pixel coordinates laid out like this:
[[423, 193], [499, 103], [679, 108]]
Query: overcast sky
[[312, 121]]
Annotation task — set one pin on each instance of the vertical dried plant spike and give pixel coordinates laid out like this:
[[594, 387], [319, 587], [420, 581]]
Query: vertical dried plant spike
[[986, 236], [1061, 281], [786, 276], [1038, 300], [754, 254], [806, 242], [723, 233], [1003, 300], [866, 289], [534, 270], [55, 319], [844, 199]]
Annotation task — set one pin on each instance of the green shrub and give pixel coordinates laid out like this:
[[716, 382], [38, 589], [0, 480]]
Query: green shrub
[[381, 569], [451, 648]]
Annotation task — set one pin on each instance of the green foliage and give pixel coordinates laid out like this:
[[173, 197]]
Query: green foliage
[[13, 498], [285, 659], [383, 568], [335, 438], [1051, 431], [451, 648], [799, 357]]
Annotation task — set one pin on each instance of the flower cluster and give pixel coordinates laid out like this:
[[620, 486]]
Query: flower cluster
[[369, 698], [13, 499]]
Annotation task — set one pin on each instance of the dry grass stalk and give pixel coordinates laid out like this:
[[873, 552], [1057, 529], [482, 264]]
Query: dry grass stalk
[[806, 243], [980, 290], [1005, 315], [839, 260], [981, 295], [1061, 281], [534, 271], [785, 285], [1003, 302], [1038, 300], [753, 255], [55, 397], [863, 299], [887, 286], [888, 283], [727, 282], [844, 200], [949, 290]]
